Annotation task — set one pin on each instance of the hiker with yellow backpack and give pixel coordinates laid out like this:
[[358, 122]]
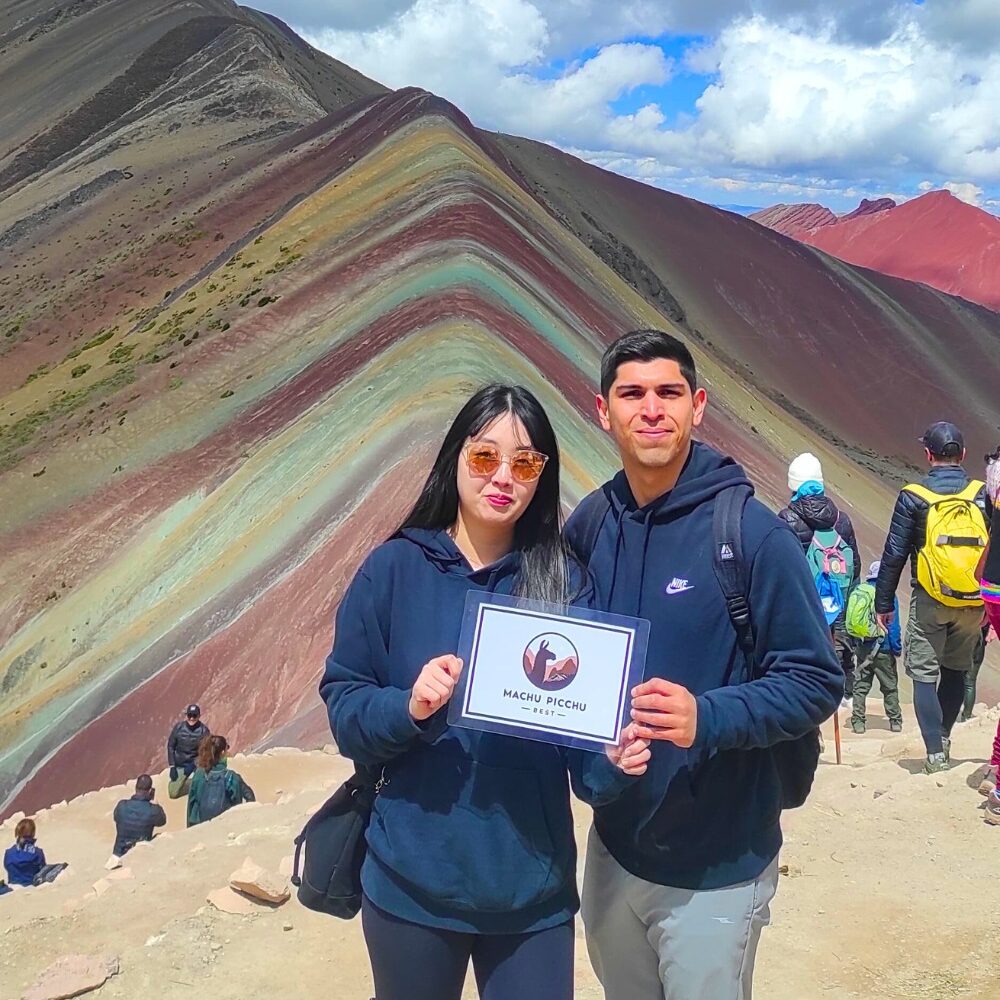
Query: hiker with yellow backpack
[[941, 525]]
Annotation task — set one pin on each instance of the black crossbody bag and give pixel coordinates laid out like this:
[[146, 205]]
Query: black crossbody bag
[[335, 847]]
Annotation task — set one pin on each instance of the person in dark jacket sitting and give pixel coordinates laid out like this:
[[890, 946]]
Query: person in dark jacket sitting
[[941, 639], [182, 750], [137, 817], [24, 860], [809, 511]]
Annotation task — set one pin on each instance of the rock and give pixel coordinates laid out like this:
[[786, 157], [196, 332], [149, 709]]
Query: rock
[[154, 939], [101, 886], [197, 849], [287, 926], [112, 863], [227, 901], [72, 976], [119, 874], [283, 800], [331, 748], [215, 946], [286, 865], [252, 880]]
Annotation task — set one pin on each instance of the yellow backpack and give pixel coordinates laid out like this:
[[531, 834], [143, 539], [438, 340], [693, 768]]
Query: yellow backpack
[[955, 539]]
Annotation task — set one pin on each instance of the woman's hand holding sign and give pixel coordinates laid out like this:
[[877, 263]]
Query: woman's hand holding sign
[[632, 754], [665, 711], [434, 686]]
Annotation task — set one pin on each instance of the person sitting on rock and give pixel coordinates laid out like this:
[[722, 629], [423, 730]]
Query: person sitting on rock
[[182, 750], [214, 788], [137, 817], [24, 860]]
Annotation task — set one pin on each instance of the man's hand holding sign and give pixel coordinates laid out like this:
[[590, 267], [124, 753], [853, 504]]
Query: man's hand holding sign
[[662, 710]]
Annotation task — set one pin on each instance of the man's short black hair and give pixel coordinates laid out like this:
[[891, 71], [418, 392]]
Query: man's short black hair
[[646, 345], [143, 783]]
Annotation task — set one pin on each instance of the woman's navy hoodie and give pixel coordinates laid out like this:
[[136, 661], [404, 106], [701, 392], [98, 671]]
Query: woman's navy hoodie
[[472, 831], [709, 816]]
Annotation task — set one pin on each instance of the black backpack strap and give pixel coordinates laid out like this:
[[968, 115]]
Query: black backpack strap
[[730, 568]]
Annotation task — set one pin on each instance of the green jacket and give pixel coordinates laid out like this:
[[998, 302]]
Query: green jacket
[[237, 791]]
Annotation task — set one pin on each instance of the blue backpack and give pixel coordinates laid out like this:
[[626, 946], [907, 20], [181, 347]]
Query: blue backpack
[[794, 760]]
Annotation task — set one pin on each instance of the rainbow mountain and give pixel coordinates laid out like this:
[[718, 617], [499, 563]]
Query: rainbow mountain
[[243, 290]]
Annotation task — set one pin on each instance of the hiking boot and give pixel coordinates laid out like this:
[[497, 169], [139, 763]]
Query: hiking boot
[[989, 782], [935, 763], [992, 815], [858, 726], [895, 725]]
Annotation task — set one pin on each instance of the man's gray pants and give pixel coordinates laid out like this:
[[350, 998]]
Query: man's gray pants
[[654, 942]]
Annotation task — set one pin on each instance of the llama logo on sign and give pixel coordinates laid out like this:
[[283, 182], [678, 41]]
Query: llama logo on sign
[[551, 661]]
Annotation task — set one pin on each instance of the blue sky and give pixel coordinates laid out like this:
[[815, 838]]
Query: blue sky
[[747, 102]]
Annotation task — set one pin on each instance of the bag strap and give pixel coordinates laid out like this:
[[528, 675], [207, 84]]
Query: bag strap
[[969, 494], [730, 568]]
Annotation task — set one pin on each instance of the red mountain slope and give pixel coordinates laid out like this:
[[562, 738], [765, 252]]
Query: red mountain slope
[[795, 220], [936, 239]]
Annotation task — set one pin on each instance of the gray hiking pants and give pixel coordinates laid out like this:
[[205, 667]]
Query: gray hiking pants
[[654, 942]]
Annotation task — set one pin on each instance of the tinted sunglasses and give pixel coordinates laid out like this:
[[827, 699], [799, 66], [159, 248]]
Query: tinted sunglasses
[[525, 465]]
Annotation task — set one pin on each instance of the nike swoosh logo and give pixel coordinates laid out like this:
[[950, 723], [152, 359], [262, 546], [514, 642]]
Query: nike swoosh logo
[[675, 588]]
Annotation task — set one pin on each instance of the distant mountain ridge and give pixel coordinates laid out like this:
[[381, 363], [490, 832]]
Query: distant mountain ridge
[[937, 239]]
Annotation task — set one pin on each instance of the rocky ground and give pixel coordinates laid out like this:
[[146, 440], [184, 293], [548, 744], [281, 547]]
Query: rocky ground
[[886, 892]]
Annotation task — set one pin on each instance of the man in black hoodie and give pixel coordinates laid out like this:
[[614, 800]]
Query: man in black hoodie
[[809, 511], [682, 868]]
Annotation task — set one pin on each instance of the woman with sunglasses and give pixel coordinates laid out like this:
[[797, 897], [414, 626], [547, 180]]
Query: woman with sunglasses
[[471, 855]]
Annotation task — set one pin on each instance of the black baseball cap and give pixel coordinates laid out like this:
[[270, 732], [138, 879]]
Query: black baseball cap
[[193, 710], [943, 440]]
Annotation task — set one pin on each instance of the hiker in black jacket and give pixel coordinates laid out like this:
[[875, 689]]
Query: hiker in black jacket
[[811, 510], [944, 630], [182, 750], [137, 817]]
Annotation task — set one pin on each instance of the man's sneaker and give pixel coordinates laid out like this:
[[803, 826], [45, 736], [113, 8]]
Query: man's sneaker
[[935, 763], [895, 726], [946, 746], [989, 782], [858, 726], [992, 815]]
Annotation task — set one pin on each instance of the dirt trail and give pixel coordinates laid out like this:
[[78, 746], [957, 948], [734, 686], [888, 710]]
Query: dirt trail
[[885, 896]]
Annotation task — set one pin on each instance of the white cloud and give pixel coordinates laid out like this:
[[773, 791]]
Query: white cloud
[[857, 96], [486, 56], [971, 193]]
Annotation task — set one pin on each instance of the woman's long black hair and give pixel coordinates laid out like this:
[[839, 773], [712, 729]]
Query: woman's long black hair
[[544, 571]]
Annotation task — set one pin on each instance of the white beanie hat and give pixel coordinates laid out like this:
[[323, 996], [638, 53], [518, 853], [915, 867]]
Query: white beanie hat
[[804, 469]]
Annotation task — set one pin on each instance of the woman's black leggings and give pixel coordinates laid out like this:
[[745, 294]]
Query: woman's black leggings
[[412, 962]]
